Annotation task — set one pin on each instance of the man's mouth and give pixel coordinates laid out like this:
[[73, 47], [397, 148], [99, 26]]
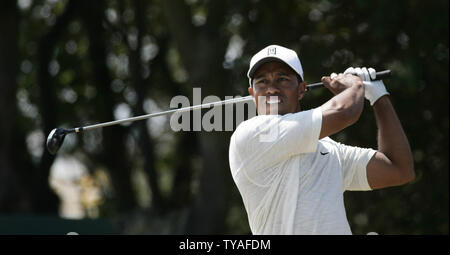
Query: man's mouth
[[273, 101]]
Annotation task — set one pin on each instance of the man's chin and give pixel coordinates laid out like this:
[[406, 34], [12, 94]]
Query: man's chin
[[274, 111]]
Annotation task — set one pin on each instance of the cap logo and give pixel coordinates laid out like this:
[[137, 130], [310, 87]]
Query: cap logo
[[271, 51]]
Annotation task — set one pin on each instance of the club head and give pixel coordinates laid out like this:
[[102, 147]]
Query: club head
[[55, 139]]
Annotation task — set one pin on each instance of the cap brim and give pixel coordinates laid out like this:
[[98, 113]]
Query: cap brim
[[261, 62]]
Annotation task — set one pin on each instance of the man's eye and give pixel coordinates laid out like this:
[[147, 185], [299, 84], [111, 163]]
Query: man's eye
[[262, 81], [282, 79]]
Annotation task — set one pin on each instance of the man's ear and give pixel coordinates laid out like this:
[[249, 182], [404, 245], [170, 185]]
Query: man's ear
[[250, 91], [301, 90]]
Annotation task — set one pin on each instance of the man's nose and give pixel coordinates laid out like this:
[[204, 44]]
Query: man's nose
[[272, 89]]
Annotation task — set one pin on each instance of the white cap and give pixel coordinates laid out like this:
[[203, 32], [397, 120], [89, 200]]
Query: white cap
[[277, 53]]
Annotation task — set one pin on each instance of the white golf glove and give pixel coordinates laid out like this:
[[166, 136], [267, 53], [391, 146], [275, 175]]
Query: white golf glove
[[373, 89]]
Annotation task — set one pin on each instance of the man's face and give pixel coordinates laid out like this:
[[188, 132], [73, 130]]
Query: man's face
[[277, 79]]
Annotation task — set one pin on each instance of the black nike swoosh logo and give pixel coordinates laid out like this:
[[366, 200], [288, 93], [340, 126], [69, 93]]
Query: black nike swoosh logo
[[324, 153]]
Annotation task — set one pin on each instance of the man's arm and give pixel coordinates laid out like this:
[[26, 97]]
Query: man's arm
[[393, 164], [345, 107]]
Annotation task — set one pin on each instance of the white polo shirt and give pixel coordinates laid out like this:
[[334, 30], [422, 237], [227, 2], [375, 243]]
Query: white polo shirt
[[290, 181]]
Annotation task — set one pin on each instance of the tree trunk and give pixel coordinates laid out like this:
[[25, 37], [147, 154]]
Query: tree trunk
[[143, 138], [44, 198], [115, 157], [202, 51], [10, 189]]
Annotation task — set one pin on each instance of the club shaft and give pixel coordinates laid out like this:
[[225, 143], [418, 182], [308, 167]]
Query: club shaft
[[179, 110]]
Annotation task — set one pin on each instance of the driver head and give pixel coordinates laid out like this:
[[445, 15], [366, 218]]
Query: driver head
[[55, 139]]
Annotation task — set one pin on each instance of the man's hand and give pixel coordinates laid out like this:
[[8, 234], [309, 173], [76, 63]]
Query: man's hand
[[374, 90], [337, 83]]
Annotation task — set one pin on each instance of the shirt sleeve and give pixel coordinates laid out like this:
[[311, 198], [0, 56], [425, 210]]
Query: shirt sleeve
[[354, 163], [266, 140]]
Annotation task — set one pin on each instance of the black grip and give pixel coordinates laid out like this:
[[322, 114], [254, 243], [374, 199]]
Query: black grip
[[380, 76]]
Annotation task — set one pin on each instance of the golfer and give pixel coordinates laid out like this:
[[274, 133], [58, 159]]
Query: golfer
[[290, 174]]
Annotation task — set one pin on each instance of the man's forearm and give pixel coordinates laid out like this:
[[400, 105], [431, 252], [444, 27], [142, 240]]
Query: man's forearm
[[351, 101], [392, 140], [343, 109]]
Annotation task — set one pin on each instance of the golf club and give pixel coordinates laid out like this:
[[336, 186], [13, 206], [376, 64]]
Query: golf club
[[57, 135]]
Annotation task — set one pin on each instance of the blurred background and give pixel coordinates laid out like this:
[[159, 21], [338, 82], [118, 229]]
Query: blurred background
[[70, 63]]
